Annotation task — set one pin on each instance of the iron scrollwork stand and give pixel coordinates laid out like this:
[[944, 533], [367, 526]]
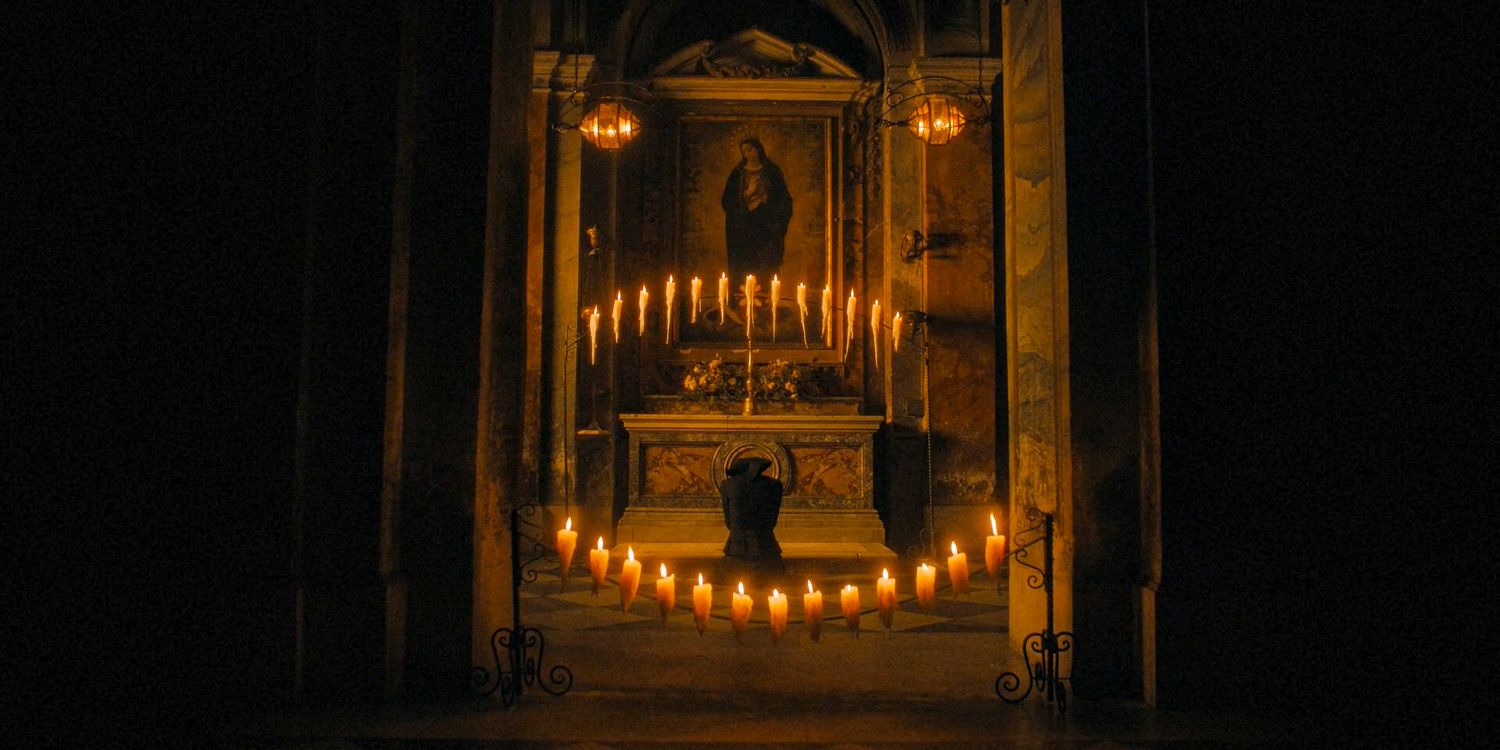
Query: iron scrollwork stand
[[518, 650], [1047, 646]]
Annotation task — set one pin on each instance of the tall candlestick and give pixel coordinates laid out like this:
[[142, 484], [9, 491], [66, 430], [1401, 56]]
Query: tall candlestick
[[885, 598], [667, 311], [723, 296], [630, 579], [849, 603], [594, 335], [697, 292], [749, 305], [812, 612], [775, 302], [994, 551], [739, 611], [827, 322], [958, 570], [776, 603], [645, 295], [849, 320], [926, 586], [802, 308], [875, 333], [598, 564], [666, 592], [896, 333], [703, 597], [567, 544], [616, 313]]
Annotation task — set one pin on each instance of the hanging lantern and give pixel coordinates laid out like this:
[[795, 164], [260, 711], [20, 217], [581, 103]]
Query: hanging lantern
[[937, 121], [609, 124]]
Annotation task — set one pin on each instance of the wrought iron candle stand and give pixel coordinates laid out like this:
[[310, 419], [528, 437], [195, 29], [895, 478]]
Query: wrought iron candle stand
[[518, 650], [1047, 646]]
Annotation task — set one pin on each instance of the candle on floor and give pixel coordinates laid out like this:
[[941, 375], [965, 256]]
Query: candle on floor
[[666, 592], [598, 564], [926, 586], [958, 570], [994, 551], [616, 313], [827, 322], [875, 333], [812, 612], [567, 544], [776, 603], [697, 292], [885, 598], [849, 602], [703, 597], [749, 305], [645, 296], [723, 296], [667, 311], [594, 335], [896, 333], [775, 302], [630, 578], [739, 612]]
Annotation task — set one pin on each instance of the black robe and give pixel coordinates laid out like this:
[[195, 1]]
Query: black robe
[[752, 504], [755, 241]]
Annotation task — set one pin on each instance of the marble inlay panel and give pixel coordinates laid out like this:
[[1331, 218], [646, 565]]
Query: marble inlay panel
[[826, 472], [678, 470]]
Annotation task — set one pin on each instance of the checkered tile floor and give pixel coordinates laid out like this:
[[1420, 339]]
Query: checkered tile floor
[[551, 604]]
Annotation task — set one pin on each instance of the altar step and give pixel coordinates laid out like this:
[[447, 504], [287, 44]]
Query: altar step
[[802, 558]]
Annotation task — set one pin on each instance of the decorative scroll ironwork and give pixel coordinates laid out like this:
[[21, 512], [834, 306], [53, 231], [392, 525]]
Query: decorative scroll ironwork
[[1044, 674], [521, 665]]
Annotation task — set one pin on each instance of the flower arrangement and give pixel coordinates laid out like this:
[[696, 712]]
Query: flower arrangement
[[721, 382]]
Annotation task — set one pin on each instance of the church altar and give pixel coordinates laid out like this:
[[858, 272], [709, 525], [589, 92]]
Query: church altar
[[825, 461]]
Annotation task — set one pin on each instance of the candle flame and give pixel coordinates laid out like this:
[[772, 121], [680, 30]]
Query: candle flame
[[619, 296], [630, 552], [569, 525], [601, 542], [848, 587], [742, 587], [993, 528], [884, 573], [775, 593], [925, 567], [700, 579], [663, 570], [809, 586], [954, 547]]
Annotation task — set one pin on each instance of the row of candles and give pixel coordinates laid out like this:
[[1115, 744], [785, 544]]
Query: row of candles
[[750, 288], [812, 602]]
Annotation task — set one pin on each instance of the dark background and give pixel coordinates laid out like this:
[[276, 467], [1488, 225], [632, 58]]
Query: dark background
[[1320, 183]]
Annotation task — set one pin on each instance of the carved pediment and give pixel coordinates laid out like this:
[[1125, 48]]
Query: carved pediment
[[754, 54]]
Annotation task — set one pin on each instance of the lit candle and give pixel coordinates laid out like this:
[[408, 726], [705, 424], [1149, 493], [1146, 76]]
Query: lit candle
[[567, 544], [630, 578], [885, 598], [666, 592], [594, 335], [645, 295], [896, 333], [723, 296], [749, 305], [667, 311], [776, 603], [598, 564], [802, 308], [616, 313], [827, 322], [812, 612], [875, 333], [703, 597], [958, 570], [994, 551], [697, 292], [926, 586], [849, 315], [775, 302], [739, 613], [849, 603]]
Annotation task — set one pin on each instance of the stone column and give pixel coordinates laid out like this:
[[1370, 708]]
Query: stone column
[[1036, 263]]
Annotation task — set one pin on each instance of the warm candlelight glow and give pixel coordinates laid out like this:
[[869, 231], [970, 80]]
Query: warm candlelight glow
[[667, 311], [885, 598], [875, 333], [703, 595], [598, 564], [926, 586], [567, 544], [777, 605], [958, 570], [896, 333], [594, 335], [775, 302], [645, 296], [617, 312], [802, 309], [994, 551], [666, 592], [849, 316], [749, 305], [812, 612], [723, 296], [739, 612], [849, 603], [630, 579], [697, 292]]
